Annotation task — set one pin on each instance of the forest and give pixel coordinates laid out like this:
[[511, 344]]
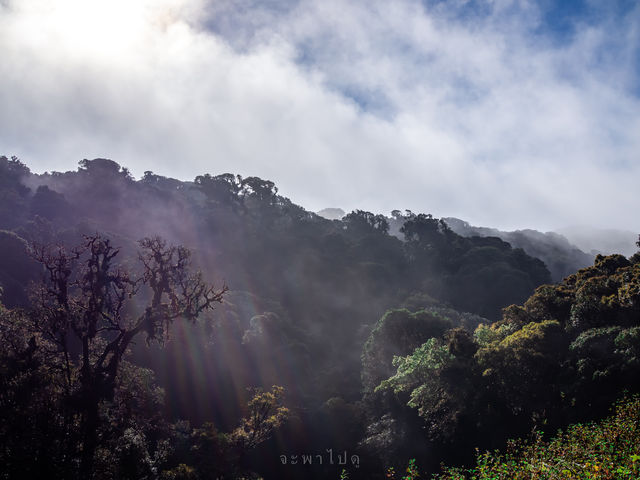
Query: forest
[[214, 329]]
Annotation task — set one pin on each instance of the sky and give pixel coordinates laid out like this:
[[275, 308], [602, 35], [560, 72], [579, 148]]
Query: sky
[[505, 113]]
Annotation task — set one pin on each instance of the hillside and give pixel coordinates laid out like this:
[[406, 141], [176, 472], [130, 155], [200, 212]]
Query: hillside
[[561, 257], [383, 347]]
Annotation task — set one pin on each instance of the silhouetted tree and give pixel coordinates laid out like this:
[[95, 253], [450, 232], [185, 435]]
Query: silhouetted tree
[[362, 222], [264, 191], [84, 308], [221, 189]]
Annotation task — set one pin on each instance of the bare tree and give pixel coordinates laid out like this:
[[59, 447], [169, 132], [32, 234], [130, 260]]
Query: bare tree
[[85, 307]]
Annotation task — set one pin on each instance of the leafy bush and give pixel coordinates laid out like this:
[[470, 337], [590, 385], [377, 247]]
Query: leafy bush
[[609, 449]]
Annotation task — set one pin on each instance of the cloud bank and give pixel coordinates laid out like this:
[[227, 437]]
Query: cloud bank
[[504, 113]]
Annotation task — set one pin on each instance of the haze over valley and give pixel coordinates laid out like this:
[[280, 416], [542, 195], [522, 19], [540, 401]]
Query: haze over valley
[[464, 305]]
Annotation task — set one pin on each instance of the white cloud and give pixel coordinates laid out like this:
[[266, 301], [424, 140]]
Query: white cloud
[[375, 105]]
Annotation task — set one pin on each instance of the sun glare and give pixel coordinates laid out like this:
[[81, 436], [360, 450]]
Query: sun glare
[[105, 30]]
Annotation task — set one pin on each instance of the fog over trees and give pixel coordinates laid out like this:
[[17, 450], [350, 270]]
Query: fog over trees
[[167, 329], [561, 257]]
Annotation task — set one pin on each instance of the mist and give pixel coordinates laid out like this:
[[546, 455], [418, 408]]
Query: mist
[[238, 236], [492, 114], [321, 308]]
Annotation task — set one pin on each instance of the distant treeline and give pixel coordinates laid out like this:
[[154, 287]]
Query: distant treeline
[[386, 348]]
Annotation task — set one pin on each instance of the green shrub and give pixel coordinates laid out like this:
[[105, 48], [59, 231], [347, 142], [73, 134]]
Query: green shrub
[[607, 450]]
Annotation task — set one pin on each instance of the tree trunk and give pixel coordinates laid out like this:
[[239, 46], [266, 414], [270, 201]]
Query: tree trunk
[[89, 437]]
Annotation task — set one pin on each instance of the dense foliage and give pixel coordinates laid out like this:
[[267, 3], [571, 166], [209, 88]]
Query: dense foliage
[[606, 450], [561, 257], [565, 355], [391, 338]]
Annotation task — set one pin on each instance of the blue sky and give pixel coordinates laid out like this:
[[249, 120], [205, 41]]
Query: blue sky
[[506, 113]]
